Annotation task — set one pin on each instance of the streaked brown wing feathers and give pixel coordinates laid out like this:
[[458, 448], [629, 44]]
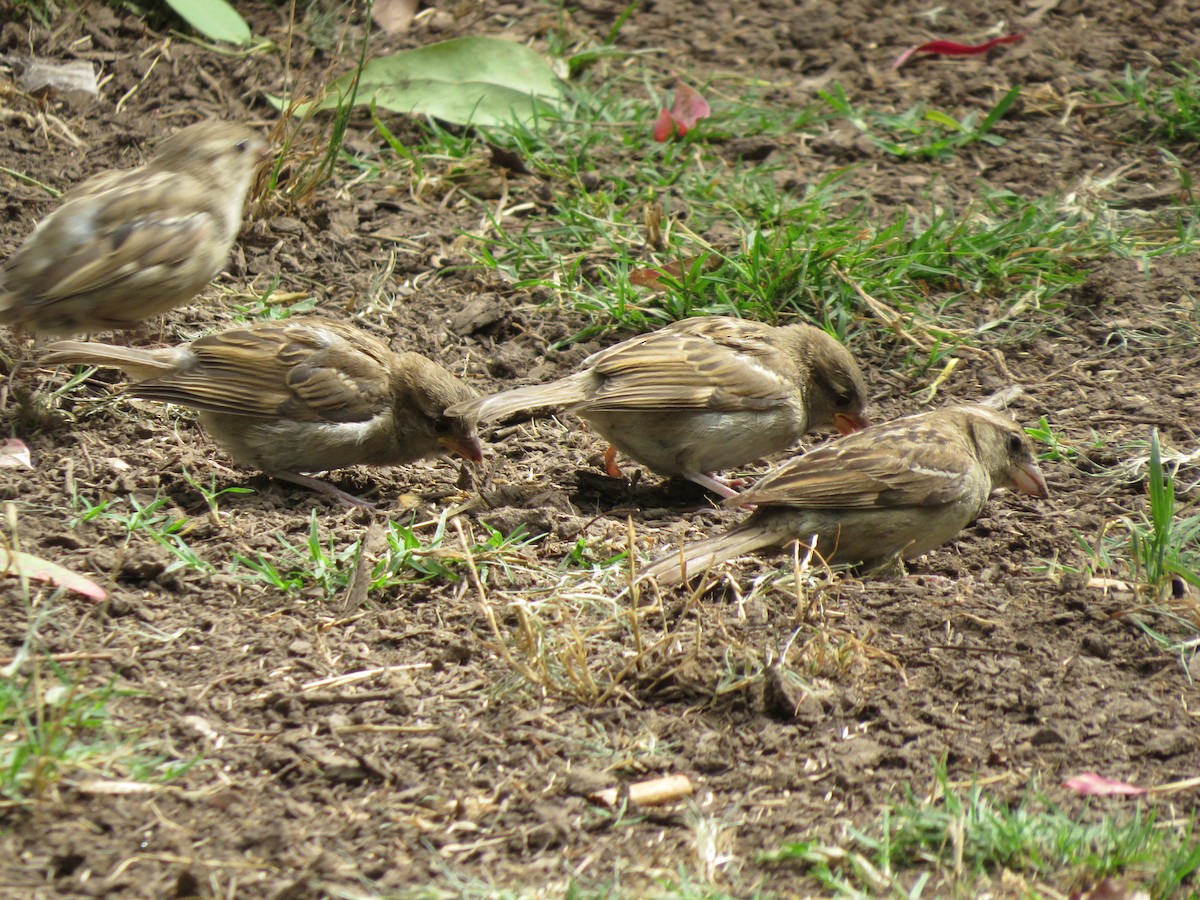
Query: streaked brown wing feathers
[[686, 368], [869, 473], [292, 370]]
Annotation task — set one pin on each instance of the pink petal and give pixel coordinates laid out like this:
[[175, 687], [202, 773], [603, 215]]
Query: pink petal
[[950, 48], [43, 570], [664, 127], [13, 454], [689, 108], [1092, 785]]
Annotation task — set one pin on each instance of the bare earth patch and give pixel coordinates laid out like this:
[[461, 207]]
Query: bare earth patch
[[452, 729]]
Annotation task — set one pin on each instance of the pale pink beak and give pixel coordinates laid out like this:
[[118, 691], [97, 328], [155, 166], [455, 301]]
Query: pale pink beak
[[466, 447], [846, 423], [1027, 478]]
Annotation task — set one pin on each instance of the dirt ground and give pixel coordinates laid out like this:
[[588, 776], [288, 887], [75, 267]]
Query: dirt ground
[[442, 764]]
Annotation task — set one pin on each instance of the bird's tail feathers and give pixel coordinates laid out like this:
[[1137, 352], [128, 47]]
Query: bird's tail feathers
[[694, 559], [506, 403], [139, 365]]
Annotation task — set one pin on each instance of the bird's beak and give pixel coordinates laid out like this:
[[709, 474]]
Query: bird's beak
[[1027, 477], [846, 423], [466, 447]]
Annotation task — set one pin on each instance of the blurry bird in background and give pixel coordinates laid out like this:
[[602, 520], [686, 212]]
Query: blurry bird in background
[[129, 244]]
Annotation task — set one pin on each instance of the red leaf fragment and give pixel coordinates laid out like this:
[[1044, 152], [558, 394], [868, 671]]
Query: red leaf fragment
[[1089, 784], [664, 126], [688, 108], [950, 48], [652, 277]]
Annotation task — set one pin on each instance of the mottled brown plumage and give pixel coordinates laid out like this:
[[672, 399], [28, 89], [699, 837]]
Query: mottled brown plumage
[[896, 489], [704, 394], [300, 395], [127, 245]]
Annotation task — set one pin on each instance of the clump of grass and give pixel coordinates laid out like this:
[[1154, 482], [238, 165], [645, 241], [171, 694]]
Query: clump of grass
[[755, 246], [575, 633], [149, 518], [921, 132], [919, 279], [41, 11], [54, 722], [1170, 106], [963, 841], [321, 566], [1157, 552], [52, 725], [1162, 547]]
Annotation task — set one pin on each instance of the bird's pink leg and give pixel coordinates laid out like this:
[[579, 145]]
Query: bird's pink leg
[[324, 487], [713, 483]]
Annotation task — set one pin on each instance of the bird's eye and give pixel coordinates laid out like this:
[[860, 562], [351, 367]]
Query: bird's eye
[[843, 400], [243, 146], [1015, 443]]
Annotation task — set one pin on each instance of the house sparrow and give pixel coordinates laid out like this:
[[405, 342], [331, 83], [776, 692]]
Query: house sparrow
[[128, 244], [300, 395], [896, 489], [703, 394]]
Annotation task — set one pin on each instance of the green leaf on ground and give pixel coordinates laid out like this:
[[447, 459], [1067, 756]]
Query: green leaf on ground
[[467, 81], [215, 19]]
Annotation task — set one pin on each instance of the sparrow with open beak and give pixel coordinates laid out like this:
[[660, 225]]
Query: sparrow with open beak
[[897, 489], [300, 395], [702, 395]]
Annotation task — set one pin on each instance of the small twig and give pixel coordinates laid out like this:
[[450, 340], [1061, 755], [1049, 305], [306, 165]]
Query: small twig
[[360, 579], [133, 90], [654, 792], [488, 612], [330, 699], [942, 377], [883, 312], [75, 656], [1172, 787], [361, 675], [386, 729], [634, 594]]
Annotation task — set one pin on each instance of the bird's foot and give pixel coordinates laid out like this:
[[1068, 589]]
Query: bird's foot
[[324, 487], [715, 484]]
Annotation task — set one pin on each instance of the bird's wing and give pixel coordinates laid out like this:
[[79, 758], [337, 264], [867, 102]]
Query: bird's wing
[[111, 228], [913, 465], [297, 370], [713, 363]]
